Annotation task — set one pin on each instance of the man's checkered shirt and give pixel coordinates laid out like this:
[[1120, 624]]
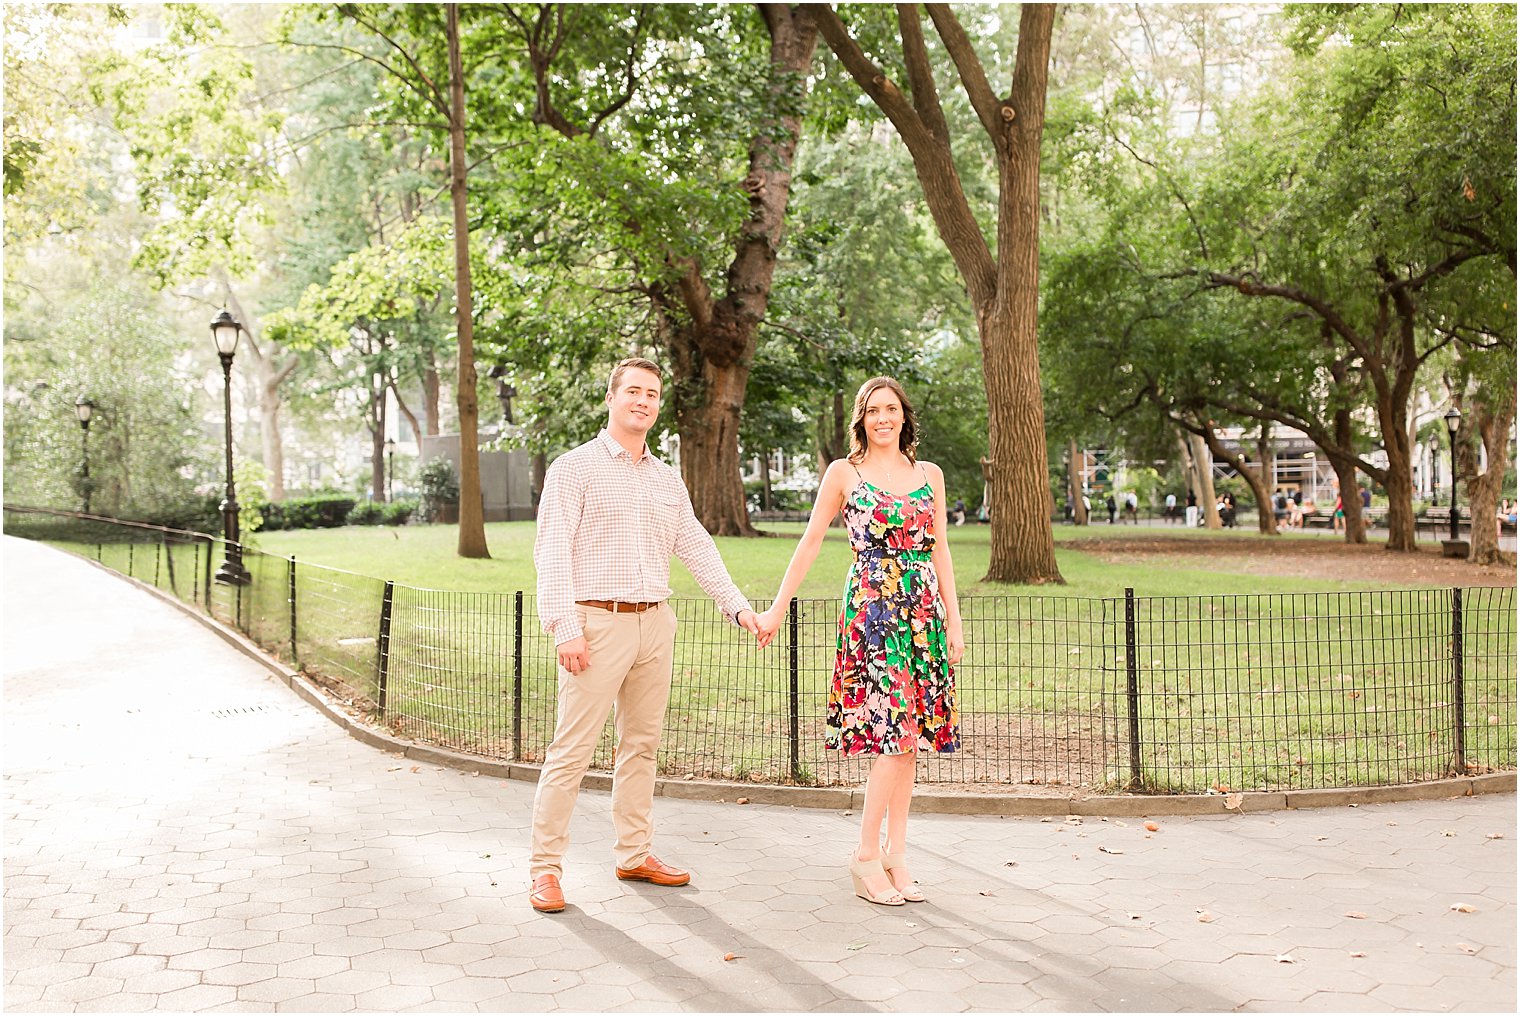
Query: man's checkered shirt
[[607, 527]]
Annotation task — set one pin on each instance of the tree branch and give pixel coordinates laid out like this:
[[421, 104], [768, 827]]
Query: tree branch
[[920, 75], [973, 77]]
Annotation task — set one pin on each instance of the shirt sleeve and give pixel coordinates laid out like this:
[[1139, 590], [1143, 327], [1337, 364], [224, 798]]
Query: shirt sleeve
[[696, 550], [559, 516]]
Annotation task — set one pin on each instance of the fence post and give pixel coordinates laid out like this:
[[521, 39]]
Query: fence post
[[1132, 689], [131, 556], [1458, 691], [517, 674], [295, 657], [206, 588], [385, 643], [794, 628]]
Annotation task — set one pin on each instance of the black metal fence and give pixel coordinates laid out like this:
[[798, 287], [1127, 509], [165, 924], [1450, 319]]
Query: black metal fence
[[1162, 693]]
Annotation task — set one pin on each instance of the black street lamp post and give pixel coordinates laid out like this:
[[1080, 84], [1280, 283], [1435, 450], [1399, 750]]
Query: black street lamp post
[[1453, 423], [390, 469], [225, 329], [85, 410]]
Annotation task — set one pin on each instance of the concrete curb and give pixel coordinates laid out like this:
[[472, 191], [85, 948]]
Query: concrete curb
[[847, 798]]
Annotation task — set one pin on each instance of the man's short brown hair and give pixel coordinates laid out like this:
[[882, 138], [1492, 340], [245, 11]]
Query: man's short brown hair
[[633, 361]]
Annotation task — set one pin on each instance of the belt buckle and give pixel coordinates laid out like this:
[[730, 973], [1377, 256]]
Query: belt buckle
[[641, 607]]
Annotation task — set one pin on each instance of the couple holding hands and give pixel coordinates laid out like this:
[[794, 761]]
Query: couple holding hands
[[610, 518]]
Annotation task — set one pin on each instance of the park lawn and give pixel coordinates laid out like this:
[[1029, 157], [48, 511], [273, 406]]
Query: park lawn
[[423, 557]]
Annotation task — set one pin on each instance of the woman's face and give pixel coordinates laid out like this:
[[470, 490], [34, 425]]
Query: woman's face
[[883, 419]]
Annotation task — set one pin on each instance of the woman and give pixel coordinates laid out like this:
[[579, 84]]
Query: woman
[[900, 636]]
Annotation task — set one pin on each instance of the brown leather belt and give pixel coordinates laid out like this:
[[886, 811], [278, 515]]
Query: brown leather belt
[[619, 607]]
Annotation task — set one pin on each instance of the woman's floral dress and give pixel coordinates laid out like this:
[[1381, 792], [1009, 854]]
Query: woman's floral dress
[[894, 689]]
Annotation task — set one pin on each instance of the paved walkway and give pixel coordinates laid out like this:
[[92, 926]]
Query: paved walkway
[[183, 833]]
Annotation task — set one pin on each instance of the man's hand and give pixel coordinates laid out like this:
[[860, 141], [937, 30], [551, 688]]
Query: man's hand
[[575, 655], [766, 626], [749, 621]]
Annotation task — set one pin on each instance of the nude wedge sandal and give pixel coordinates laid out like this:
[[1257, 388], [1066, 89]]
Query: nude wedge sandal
[[860, 871], [911, 893]]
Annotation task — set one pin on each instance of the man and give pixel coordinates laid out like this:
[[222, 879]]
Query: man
[[1171, 507], [609, 520]]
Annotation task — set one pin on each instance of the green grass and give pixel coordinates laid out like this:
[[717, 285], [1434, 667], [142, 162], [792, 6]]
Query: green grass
[[424, 557]]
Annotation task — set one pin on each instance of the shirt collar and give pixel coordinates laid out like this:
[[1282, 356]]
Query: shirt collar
[[615, 449]]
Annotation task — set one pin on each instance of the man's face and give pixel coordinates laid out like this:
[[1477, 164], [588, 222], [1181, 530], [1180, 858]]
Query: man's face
[[634, 404]]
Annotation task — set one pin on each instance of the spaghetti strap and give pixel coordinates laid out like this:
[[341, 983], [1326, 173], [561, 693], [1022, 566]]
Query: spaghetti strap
[[857, 470]]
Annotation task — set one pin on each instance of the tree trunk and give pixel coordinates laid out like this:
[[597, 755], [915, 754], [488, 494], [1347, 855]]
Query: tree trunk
[[709, 431], [377, 439], [1266, 511], [1023, 546], [430, 392], [1393, 418], [1202, 460], [1074, 483], [472, 528], [1493, 428], [1255, 477], [713, 350], [1345, 470]]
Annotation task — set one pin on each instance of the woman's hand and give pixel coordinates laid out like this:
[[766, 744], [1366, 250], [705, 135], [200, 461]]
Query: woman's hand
[[769, 623], [955, 641]]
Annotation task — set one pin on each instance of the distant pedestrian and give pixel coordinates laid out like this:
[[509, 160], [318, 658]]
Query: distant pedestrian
[[1132, 508], [1340, 515], [1279, 506], [1112, 506], [960, 511], [1192, 509], [1171, 507]]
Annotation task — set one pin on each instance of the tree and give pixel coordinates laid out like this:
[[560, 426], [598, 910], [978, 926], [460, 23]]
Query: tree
[[708, 332], [1002, 281]]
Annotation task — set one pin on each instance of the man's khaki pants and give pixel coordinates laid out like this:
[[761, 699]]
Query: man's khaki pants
[[631, 657]]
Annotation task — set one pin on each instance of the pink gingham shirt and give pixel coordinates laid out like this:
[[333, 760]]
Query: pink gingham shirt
[[607, 527]]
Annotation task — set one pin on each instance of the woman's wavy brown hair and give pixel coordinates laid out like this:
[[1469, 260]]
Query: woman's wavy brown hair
[[907, 438]]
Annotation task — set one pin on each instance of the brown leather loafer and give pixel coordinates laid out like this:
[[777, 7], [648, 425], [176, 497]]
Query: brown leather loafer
[[654, 870], [546, 897]]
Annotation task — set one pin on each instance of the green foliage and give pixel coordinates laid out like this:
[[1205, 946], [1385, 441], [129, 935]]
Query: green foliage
[[439, 484], [366, 513], [149, 458], [322, 511]]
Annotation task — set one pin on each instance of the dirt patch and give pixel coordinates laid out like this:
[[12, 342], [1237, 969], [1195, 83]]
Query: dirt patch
[[1318, 559]]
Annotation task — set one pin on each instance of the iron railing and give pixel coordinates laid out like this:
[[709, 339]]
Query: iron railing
[[1154, 693]]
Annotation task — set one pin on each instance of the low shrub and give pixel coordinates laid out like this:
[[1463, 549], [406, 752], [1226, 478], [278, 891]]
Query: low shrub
[[324, 511]]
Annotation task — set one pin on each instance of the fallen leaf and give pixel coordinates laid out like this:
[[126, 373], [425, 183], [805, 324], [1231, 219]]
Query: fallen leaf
[[742, 800], [1448, 832], [1358, 955], [986, 893], [1121, 825], [1464, 908], [1204, 917], [1152, 827], [1495, 836], [485, 855], [1492, 720], [393, 769], [1232, 801], [1109, 850], [1010, 864], [1356, 915], [1286, 958], [1134, 917], [730, 957], [1469, 950], [1320, 839], [1074, 651], [855, 946], [416, 769]]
